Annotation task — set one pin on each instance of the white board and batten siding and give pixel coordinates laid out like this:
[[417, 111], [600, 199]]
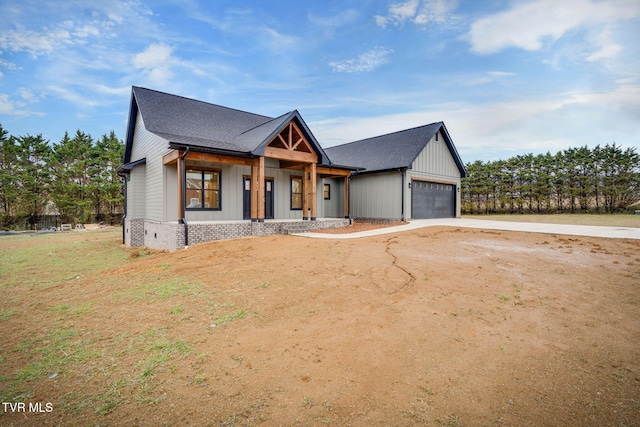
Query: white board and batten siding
[[334, 206], [435, 163], [376, 195]]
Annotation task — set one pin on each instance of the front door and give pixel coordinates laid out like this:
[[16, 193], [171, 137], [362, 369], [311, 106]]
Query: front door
[[246, 198], [268, 199]]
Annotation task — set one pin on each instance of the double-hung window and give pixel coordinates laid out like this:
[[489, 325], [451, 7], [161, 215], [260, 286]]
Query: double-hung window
[[203, 189]]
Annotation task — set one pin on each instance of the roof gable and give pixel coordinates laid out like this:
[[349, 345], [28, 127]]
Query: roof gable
[[282, 123], [200, 125], [396, 150]]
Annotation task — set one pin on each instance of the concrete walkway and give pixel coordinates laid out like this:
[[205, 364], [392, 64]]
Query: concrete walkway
[[528, 227]]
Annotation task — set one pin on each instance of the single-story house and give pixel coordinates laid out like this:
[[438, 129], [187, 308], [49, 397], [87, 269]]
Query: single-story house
[[196, 172]]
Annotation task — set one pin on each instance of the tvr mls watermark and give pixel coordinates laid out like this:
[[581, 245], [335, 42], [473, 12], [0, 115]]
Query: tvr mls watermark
[[31, 407]]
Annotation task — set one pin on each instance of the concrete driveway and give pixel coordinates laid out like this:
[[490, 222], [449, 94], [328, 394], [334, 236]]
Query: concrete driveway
[[528, 227]]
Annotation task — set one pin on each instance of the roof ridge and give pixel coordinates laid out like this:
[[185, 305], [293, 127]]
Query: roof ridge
[[263, 124], [386, 134], [202, 102]]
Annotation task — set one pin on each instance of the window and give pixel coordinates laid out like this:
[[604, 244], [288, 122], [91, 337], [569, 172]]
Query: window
[[296, 193], [327, 191], [203, 189]]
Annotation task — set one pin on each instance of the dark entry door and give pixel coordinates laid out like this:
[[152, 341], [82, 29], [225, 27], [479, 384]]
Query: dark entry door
[[268, 199], [246, 198]]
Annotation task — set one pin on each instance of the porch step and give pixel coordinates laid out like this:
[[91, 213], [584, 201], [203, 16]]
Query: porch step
[[298, 227]]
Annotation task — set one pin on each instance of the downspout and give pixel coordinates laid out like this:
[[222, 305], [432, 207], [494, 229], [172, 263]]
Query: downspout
[[124, 176], [402, 195], [184, 198]]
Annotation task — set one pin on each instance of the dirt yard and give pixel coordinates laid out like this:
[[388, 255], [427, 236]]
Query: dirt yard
[[437, 327]]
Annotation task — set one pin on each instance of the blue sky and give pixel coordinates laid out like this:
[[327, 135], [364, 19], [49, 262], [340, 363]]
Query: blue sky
[[506, 77]]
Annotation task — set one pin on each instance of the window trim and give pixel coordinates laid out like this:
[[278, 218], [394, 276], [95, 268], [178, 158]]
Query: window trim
[[326, 191], [201, 190], [291, 193]]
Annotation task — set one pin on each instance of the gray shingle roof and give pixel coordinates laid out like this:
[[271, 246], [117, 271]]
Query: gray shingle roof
[[396, 150], [186, 122], [192, 122], [201, 125]]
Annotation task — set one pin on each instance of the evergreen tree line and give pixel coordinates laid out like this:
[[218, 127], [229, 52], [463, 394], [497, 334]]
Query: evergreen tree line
[[602, 179], [74, 181]]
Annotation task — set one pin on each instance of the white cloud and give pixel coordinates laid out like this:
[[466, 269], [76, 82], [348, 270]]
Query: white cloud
[[608, 48], [367, 61], [6, 106], [13, 108], [27, 95], [398, 13], [74, 97], [155, 61], [529, 25], [494, 130], [34, 27], [276, 41], [420, 13], [486, 78], [32, 42], [330, 23], [7, 66]]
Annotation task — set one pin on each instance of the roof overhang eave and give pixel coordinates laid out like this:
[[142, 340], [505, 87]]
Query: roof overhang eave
[[393, 169], [200, 149], [128, 167]]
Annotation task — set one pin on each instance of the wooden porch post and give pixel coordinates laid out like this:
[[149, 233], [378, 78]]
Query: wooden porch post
[[180, 187], [255, 183], [313, 191], [305, 190], [346, 196], [260, 189]]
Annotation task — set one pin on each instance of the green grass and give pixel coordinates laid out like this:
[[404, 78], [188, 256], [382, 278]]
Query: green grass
[[229, 318], [611, 220], [162, 288], [54, 353], [40, 276], [57, 258], [5, 314], [67, 311], [177, 309], [160, 352]]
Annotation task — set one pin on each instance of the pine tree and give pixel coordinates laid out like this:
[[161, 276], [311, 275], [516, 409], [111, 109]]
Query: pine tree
[[8, 180], [33, 176], [71, 165], [108, 196]]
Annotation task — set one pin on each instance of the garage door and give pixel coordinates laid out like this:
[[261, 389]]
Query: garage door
[[432, 200]]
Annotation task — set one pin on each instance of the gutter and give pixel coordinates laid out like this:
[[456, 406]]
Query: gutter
[[124, 172], [124, 176]]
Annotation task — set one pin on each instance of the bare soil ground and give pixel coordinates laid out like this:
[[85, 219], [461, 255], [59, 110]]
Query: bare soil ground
[[439, 326]]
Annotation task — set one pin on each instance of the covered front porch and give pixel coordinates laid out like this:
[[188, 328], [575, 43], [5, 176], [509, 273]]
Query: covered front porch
[[286, 185], [285, 182]]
